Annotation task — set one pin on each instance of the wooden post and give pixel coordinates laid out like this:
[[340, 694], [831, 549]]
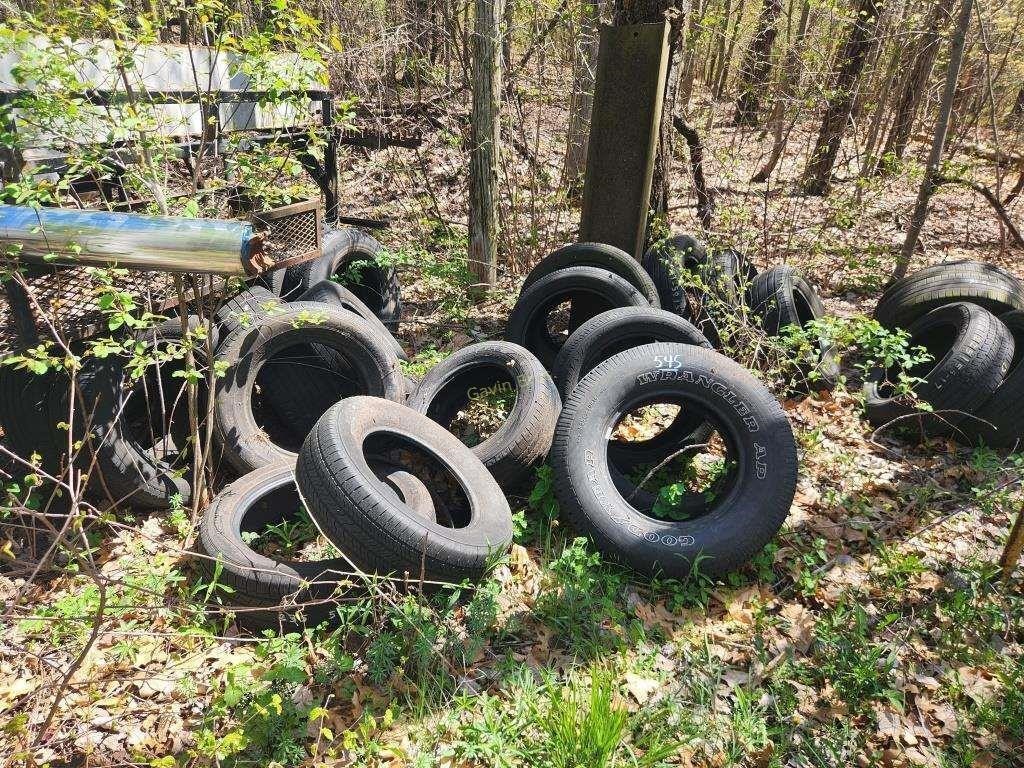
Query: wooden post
[[485, 143], [632, 64]]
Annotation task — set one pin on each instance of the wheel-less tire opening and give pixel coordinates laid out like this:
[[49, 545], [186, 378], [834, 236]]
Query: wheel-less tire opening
[[938, 341], [498, 400], [588, 292], [723, 504], [555, 320], [156, 411], [451, 504], [155, 407], [475, 403], [279, 527], [321, 363], [261, 543], [672, 477], [650, 432], [804, 311], [558, 323], [275, 406]]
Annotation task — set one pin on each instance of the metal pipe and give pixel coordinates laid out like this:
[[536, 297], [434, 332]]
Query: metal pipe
[[101, 238]]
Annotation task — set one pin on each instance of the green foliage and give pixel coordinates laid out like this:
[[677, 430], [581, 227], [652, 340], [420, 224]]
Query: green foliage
[[265, 722], [584, 726], [863, 343], [52, 112], [851, 656], [419, 364], [580, 599], [443, 272]]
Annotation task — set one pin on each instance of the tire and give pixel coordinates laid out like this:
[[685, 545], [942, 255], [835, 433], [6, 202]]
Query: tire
[[287, 388], [297, 398], [972, 350], [746, 270], [663, 262], [591, 292], [337, 295], [524, 437], [126, 469], [999, 422], [172, 391], [379, 535], [373, 366], [614, 331], [973, 281], [273, 281], [760, 492], [28, 418], [265, 496], [348, 250], [720, 274], [170, 330], [600, 256], [781, 297], [244, 309]]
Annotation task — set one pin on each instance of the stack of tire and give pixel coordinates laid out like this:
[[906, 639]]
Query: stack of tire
[[366, 451], [712, 291], [636, 336], [312, 410], [969, 317]]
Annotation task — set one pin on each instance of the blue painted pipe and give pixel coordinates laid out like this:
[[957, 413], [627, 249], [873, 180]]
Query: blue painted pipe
[[101, 238]]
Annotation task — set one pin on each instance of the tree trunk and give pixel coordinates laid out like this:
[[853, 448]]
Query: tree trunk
[[689, 67], [705, 202], [484, 143], [717, 61], [849, 64], [421, 17], [723, 72], [648, 12], [916, 82], [582, 98], [692, 41], [928, 185], [788, 88], [755, 74]]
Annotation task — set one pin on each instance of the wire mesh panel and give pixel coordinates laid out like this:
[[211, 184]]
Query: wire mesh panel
[[65, 302], [293, 232]]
